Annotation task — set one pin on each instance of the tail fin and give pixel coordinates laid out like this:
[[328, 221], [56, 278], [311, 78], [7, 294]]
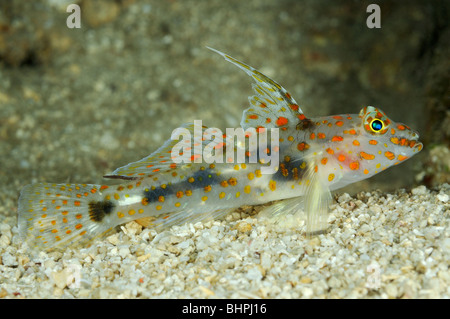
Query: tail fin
[[57, 215]]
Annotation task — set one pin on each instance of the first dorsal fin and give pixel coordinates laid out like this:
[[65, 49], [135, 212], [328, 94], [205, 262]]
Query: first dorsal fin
[[271, 106]]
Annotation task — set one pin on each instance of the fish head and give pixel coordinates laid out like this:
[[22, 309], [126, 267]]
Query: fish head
[[363, 145], [391, 142]]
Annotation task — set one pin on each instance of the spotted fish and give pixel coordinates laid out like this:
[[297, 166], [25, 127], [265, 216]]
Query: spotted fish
[[316, 156]]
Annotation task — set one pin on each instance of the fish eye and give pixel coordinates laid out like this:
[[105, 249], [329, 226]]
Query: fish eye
[[376, 125]]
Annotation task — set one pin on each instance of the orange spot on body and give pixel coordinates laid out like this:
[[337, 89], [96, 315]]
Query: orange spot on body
[[373, 142], [341, 158], [339, 123], [324, 161], [302, 146], [330, 151], [356, 143], [367, 156], [402, 157], [77, 203], [354, 166], [321, 135], [312, 136], [337, 138], [282, 121], [389, 155]]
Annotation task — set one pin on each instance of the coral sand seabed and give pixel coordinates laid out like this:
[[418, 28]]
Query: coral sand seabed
[[378, 246]]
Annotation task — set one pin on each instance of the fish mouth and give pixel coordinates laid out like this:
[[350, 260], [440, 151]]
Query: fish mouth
[[408, 140]]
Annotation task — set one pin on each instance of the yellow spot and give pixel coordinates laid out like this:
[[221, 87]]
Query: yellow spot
[[158, 207], [238, 194], [191, 180], [221, 195], [204, 198], [140, 211], [243, 166], [177, 204], [116, 196], [330, 177], [131, 212], [247, 189], [272, 185], [188, 192], [120, 214], [250, 176], [258, 173], [236, 167]]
